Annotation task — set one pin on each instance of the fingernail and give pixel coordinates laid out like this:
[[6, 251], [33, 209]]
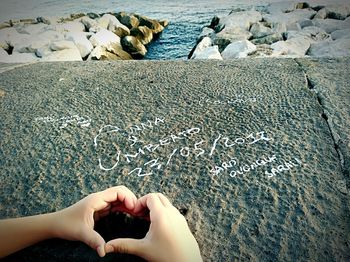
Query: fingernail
[[100, 251], [109, 248]]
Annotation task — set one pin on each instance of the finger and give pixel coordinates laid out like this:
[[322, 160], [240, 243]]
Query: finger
[[126, 246], [151, 202], [110, 195], [164, 200], [94, 240]]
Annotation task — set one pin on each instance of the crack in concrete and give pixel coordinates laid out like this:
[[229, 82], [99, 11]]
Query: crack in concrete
[[311, 86]]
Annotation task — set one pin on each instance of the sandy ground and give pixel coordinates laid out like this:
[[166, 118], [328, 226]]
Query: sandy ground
[[242, 147]]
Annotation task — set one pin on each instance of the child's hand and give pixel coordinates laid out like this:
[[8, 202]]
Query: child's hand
[[77, 221]]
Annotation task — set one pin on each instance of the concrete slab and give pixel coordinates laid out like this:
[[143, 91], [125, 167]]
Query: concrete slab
[[239, 146], [329, 79]]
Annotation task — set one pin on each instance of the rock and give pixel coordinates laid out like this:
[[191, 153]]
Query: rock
[[4, 25], [104, 38], [118, 51], [336, 48], [293, 26], [242, 19], [82, 43], [77, 16], [238, 49], [230, 35], [270, 39], [73, 26], [312, 32], [103, 21], [92, 15], [338, 11], [305, 23], [133, 46], [143, 34], [280, 7], [43, 51], [61, 45], [262, 51], [154, 25], [117, 27], [341, 34], [63, 55], [164, 23], [259, 30], [289, 18], [3, 54], [49, 20], [279, 28], [341, 185], [214, 22], [203, 44], [51, 35], [206, 31], [88, 22], [32, 29], [130, 21], [295, 47], [330, 25], [19, 58], [30, 44], [211, 52], [7, 36], [302, 5], [321, 14]]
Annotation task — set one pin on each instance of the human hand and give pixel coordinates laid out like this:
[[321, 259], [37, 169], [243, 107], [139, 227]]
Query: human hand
[[77, 221], [168, 239]]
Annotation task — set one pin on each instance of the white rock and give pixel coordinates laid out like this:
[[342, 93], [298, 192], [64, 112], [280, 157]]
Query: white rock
[[305, 23], [312, 32], [336, 48], [293, 26], [234, 34], [321, 14], [103, 21], [51, 35], [279, 28], [96, 53], [280, 7], [211, 52], [49, 20], [43, 51], [341, 34], [80, 40], [259, 30], [88, 22], [104, 38], [33, 29], [205, 43], [330, 25], [114, 24], [72, 26], [61, 45], [338, 11], [9, 36], [294, 47], [206, 31], [3, 54], [19, 58], [63, 55], [238, 49], [243, 19]]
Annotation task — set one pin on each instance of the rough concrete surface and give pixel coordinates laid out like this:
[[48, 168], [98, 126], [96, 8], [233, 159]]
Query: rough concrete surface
[[240, 147]]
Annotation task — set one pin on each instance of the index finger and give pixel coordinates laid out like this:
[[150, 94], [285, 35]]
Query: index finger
[[150, 202], [113, 194]]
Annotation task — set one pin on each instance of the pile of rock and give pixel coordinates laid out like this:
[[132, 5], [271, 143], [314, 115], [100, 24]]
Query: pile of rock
[[277, 30], [110, 36]]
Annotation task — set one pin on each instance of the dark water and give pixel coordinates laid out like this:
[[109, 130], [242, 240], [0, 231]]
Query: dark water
[[186, 17]]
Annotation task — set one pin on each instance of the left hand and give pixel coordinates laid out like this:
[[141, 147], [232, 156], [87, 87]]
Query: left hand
[[77, 221]]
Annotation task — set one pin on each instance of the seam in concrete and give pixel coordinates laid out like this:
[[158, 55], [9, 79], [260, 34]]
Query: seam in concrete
[[325, 117]]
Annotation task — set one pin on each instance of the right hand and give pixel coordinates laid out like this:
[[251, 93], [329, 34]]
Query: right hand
[[168, 239]]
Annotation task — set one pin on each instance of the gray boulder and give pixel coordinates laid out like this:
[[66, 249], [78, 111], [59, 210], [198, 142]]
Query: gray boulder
[[341, 34], [294, 47], [259, 30], [270, 39], [82, 43], [243, 20], [238, 49], [336, 48], [330, 25]]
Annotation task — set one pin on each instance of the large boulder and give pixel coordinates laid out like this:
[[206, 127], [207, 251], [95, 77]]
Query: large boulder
[[294, 47], [117, 27], [104, 38], [334, 11], [341, 34], [259, 30], [49, 20], [336, 48], [206, 31], [8, 36], [331, 25], [72, 54], [230, 35], [203, 44], [289, 18], [82, 43], [61, 45], [32, 29], [152, 24], [130, 21], [88, 22], [269, 39], [134, 47], [313, 33], [238, 49], [211, 52], [3, 55], [73, 26], [113, 52], [243, 20], [30, 44], [143, 34]]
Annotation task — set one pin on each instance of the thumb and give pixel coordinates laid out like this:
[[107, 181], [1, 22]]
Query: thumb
[[95, 241], [126, 246]]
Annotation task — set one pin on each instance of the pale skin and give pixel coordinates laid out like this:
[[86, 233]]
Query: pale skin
[[168, 238]]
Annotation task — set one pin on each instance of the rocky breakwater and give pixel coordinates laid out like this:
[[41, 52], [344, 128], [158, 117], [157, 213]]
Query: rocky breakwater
[[277, 30], [110, 36]]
